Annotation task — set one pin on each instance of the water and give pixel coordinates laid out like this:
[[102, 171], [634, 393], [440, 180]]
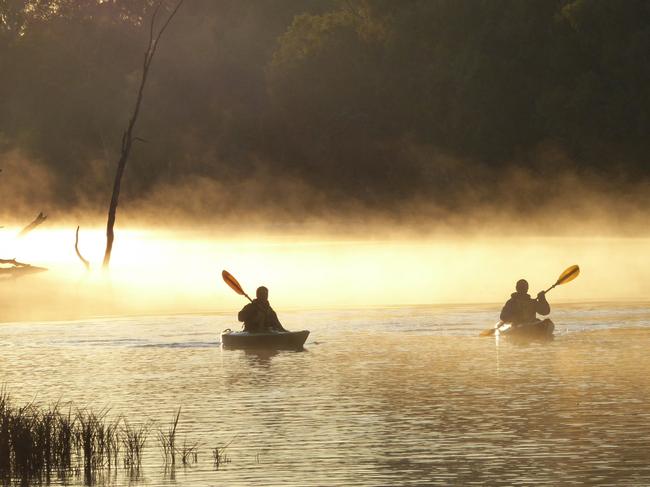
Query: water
[[394, 396]]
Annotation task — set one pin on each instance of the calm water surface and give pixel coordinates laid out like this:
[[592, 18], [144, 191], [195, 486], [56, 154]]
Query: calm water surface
[[397, 396]]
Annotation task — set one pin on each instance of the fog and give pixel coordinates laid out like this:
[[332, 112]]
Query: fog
[[179, 272], [355, 153]]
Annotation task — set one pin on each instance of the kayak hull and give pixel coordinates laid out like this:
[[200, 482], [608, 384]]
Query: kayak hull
[[536, 330], [281, 340]]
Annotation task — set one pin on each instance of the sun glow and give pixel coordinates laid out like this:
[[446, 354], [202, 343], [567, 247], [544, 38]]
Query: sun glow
[[180, 272]]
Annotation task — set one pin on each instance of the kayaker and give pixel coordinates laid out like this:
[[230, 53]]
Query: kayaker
[[521, 308], [258, 316]]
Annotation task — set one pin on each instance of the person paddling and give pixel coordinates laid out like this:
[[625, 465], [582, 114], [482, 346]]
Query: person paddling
[[521, 308], [258, 316]]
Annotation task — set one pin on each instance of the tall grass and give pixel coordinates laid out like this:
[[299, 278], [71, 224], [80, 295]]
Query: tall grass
[[37, 442], [167, 440], [5, 429], [34, 441], [189, 452], [134, 440], [219, 455]]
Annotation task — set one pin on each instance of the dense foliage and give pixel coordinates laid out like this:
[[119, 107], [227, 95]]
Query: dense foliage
[[374, 101]]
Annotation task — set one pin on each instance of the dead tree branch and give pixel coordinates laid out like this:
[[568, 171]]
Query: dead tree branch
[[18, 269], [127, 137], [76, 249], [40, 218]]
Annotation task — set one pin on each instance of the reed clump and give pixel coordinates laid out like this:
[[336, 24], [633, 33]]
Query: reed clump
[[167, 440], [134, 440], [188, 452], [34, 441], [97, 439], [219, 455], [37, 442]]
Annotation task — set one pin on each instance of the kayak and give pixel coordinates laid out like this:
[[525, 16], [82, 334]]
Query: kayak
[[276, 340], [535, 330]]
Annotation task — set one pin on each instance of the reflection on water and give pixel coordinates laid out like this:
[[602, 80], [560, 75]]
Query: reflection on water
[[402, 396]]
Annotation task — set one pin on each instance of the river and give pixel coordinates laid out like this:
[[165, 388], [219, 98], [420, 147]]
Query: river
[[380, 396]]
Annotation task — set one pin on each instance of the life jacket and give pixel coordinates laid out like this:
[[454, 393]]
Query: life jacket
[[257, 316], [523, 308]]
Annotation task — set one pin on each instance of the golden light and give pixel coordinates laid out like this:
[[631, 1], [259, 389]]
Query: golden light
[[156, 272]]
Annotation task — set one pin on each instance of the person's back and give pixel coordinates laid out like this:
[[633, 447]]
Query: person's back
[[258, 316], [521, 308]]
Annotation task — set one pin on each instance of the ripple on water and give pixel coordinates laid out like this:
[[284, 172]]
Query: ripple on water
[[383, 397]]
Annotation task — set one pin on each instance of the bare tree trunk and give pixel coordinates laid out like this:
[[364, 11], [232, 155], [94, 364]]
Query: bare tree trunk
[[127, 138]]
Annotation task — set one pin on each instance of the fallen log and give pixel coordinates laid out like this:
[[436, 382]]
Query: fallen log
[[18, 269]]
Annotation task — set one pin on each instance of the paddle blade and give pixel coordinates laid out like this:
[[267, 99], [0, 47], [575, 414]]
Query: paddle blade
[[491, 331], [232, 282], [568, 275]]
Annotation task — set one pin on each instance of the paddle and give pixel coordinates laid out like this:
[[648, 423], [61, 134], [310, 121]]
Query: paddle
[[234, 285], [567, 276]]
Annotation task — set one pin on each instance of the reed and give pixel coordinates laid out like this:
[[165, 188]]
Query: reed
[[23, 437], [64, 439], [134, 439], [5, 427], [37, 442], [189, 452], [167, 440], [34, 441], [219, 455], [87, 439], [113, 442]]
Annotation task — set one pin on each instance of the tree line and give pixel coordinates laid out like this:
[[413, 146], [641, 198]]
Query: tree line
[[372, 101]]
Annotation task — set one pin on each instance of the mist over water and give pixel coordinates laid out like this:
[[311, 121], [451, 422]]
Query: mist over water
[[157, 272], [381, 167]]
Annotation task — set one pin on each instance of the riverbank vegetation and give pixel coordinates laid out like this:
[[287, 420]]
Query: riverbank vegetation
[[42, 443]]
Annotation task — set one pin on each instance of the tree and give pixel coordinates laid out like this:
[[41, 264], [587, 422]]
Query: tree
[[128, 138]]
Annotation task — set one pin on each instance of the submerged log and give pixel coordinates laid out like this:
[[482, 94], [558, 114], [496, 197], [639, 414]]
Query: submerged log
[[18, 269]]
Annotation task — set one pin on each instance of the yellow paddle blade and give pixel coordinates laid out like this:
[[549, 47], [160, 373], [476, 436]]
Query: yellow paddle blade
[[491, 331], [232, 282], [568, 275]]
